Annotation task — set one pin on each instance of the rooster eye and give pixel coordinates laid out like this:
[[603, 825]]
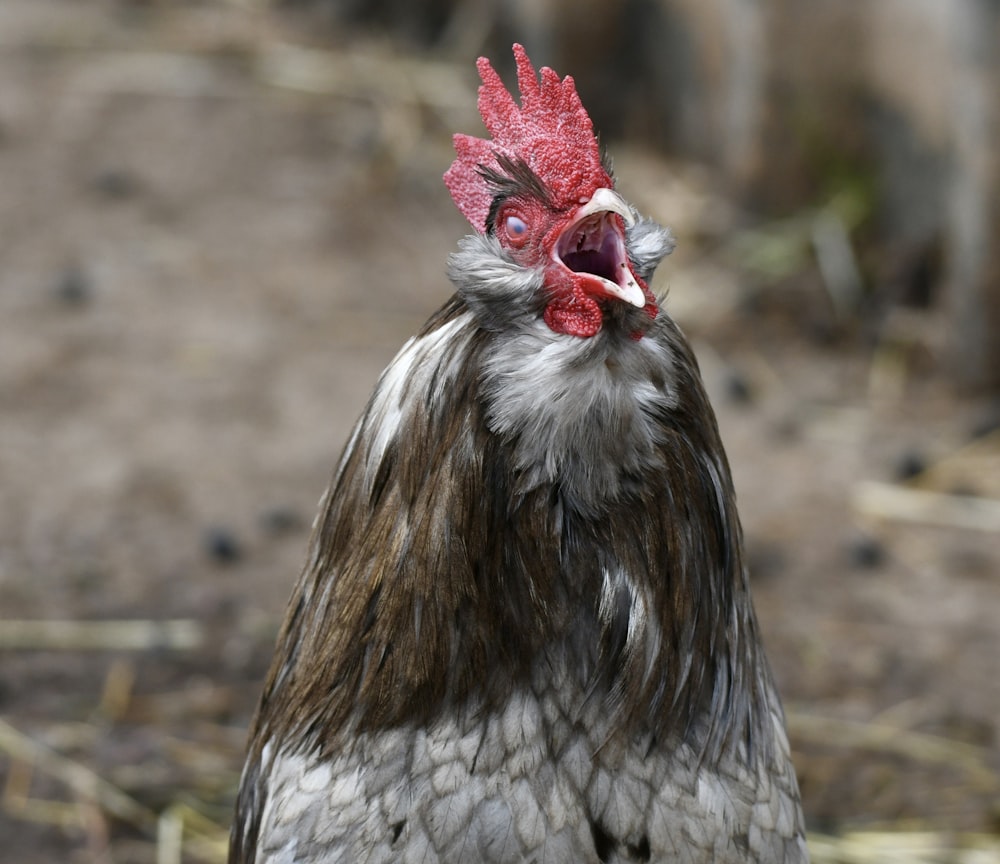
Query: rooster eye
[[516, 229]]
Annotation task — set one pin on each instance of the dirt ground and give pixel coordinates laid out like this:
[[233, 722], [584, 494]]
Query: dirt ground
[[211, 242]]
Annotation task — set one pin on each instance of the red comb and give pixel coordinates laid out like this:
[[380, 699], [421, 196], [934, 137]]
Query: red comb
[[550, 131]]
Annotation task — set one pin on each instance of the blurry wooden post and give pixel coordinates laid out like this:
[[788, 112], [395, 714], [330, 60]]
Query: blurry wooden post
[[743, 108], [973, 278]]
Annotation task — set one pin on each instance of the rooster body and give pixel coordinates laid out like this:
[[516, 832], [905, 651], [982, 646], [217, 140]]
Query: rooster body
[[524, 632]]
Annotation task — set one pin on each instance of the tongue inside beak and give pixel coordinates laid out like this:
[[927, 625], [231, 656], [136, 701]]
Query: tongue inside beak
[[593, 247]]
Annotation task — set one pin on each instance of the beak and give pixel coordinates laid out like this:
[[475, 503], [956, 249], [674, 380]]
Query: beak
[[607, 201], [593, 247]]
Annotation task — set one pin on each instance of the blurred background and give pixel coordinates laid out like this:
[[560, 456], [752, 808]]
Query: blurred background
[[219, 221]]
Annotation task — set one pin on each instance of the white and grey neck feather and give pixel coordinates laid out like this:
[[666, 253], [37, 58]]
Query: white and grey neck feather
[[582, 411]]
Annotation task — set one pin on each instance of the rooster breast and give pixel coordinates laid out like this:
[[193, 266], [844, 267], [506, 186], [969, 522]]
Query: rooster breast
[[535, 782]]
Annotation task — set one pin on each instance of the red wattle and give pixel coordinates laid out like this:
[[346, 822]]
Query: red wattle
[[574, 316]]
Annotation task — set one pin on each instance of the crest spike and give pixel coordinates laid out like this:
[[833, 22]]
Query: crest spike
[[496, 105], [527, 78]]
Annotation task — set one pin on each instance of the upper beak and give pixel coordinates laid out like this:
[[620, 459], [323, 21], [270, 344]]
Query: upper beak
[[593, 246]]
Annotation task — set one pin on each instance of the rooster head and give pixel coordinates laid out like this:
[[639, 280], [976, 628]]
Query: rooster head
[[542, 189]]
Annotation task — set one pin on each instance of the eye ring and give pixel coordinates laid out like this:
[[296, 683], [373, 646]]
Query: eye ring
[[515, 229]]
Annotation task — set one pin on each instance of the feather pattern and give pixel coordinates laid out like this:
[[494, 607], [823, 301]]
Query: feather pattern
[[524, 630]]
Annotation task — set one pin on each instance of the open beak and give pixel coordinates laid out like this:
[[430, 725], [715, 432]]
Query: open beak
[[593, 247]]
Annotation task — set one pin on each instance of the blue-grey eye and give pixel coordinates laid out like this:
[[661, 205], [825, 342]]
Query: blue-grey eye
[[516, 227]]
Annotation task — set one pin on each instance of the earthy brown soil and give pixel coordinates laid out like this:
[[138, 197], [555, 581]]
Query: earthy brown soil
[[202, 272]]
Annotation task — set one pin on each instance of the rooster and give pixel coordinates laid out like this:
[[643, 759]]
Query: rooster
[[524, 631]]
